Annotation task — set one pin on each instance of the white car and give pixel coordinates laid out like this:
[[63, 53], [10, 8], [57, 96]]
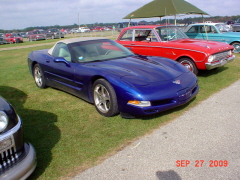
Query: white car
[[75, 30], [84, 29]]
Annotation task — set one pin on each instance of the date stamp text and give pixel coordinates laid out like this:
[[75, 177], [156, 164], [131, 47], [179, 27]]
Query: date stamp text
[[201, 163]]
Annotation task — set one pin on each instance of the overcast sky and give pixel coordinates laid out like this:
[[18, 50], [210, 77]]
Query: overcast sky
[[20, 14]]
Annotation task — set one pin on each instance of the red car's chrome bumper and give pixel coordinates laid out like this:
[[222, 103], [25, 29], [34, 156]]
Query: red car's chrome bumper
[[219, 63]]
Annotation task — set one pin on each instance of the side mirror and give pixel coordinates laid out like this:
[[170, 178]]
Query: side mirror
[[62, 60]]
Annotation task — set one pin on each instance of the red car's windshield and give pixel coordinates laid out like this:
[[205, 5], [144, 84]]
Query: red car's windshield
[[168, 33]]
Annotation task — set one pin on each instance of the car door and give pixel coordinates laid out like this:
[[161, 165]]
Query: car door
[[194, 32], [60, 68], [209, 32], [140, 41]]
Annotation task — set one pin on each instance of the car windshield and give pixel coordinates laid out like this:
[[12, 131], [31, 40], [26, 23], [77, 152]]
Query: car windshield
[[223, 27], [170, 33], [98, 50]]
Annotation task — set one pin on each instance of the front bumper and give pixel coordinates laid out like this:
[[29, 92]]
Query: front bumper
[[222, 62], [181, 98], [23, 168], [14, 163]]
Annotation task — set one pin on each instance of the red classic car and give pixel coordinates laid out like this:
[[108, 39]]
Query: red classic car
[[13, 38], [171, 42]]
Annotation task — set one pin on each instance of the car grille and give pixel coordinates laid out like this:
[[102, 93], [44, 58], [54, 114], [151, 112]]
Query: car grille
[[222, 55], [8, 155], [162, 102]]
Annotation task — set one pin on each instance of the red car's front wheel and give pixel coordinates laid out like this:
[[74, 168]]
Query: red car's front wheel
[[188, 63]]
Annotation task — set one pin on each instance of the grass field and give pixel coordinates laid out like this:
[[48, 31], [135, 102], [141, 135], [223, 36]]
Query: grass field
[[67, 132]]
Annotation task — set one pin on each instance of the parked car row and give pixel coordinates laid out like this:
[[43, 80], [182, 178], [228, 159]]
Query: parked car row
[[43, 35], [31, 36], [10, 38], [86, 29], [233, 25]]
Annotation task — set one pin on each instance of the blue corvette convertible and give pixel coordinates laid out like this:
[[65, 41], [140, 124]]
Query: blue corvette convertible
[[115, 80]]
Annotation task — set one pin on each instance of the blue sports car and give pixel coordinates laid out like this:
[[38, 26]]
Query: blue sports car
[[110, 76]]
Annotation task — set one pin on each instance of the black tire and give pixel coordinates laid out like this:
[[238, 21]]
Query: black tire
[[188, 63], [39, 77], [236, 46], [104, 97]]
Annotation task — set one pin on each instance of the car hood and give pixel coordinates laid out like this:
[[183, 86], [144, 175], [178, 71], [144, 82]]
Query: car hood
[[202, 45], [142, 70]]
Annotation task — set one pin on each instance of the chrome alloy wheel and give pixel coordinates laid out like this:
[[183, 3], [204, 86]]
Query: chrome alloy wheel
[[187, 65], [38, 76], [102, 98], [236, 46]]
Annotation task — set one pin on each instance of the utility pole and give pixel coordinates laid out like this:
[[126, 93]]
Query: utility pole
[[78, 22]]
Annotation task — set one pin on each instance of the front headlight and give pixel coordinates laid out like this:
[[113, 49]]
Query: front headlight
[[211, 58], [140, 103], [3, 121]]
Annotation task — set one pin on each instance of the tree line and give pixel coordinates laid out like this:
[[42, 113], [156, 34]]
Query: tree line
[[162, 21]]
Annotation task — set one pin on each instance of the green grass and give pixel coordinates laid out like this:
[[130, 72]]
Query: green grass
[[67, 132]]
